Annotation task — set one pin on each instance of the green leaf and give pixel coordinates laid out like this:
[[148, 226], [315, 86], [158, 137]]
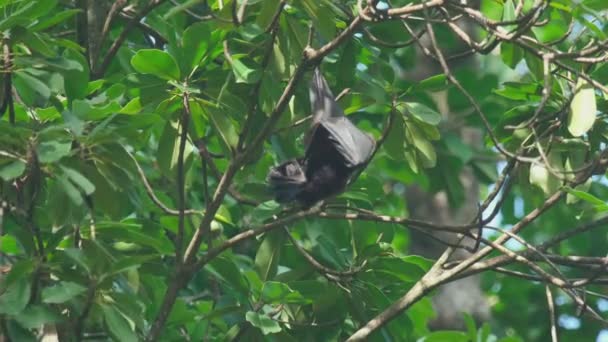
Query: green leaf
[[511, 54], [199, 119], [245, 74], [279, 293], [168, 148], [263, 322], [14, 20], [20, 16], [508, 14], [117, 324], [394, 144], [520, 91], [511, 339], [556, 27], [157, 63], [36, 43], [376, 298], [264, 211], [269, 7], [585, 196], [429, 157], [225, 268], [297, 36], [78, 257], [572, 198], [13, 170], [420, 314], [94, 86], [62, 292], [433, 83], [483, 334], [127, 263], [133, 233], [16, 296], [77, 178], [132, 107], [542, 177], [9, 245], [423, 113], [310, 289], [53, 20], [329, 250], [535, 65], [443, 336], [56, 63], [27, 82], [223, 125], [87, 110], [422, 262], [195, 43], [18, 333], [397, 268], [53, 150], [583, 109], [471, 326], [40, 8], [75, 81], [322, 16], [458, 148], [70, 190], [268, 255], [35, 316]]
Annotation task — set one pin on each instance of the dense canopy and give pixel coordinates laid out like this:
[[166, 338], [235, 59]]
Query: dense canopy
[[136, 137]]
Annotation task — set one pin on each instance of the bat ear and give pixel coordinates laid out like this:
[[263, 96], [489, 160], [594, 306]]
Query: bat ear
[[322, 101]]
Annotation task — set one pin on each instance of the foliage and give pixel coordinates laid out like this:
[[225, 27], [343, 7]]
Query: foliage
[[133, 157]]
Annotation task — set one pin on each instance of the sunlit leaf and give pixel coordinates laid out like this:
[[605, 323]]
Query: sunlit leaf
[[583, 109], [244, 73], [156, 62], [117, 324], [62, 292], [263, 322], [424, 113], [268, 254], [599, 204], [78, 179], [16, 297], [12, 170], [35, 316]]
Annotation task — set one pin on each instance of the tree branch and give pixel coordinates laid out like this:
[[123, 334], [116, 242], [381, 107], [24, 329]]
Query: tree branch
[[113, 50]]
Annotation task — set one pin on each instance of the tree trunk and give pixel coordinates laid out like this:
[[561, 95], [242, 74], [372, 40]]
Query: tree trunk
[[465, 295]]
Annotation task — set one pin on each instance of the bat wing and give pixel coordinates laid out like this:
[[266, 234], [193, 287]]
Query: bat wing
[[287, 180], [329, 123], [350, 142]]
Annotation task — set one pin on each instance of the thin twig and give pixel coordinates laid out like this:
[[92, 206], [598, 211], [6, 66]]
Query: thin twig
[[113, 50], [552, 316], [152, 195], [181, 191], [326, 271], [254, 95], [114, 11]]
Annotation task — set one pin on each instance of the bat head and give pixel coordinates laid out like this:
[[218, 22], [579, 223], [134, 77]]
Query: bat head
[[287, 179]]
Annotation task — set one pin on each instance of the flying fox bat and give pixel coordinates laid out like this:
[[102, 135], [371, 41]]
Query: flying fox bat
[[335, 150]]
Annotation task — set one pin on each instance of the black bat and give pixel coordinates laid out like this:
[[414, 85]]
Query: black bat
[[335, 150]]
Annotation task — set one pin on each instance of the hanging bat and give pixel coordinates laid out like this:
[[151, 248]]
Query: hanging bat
[[336, 150]]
